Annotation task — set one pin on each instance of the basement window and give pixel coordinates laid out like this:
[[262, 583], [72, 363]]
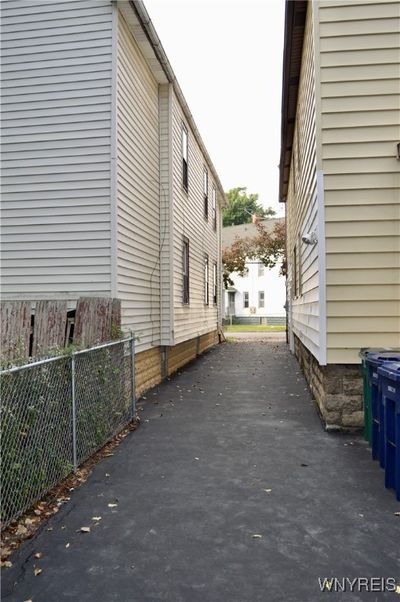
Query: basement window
[[185, 169], [185, 270]]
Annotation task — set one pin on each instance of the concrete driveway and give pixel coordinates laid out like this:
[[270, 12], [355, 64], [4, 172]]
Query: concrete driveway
[[230, 491]]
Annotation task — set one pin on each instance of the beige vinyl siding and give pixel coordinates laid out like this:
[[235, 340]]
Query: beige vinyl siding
[[56, 141], [196, 318], [138, 182], [360, 85], [302, 205]]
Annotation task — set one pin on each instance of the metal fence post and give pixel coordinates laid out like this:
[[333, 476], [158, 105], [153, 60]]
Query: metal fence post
[[74, 450], [133, 385]]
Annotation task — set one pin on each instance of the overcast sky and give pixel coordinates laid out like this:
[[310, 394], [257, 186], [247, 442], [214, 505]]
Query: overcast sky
[[227, 57]]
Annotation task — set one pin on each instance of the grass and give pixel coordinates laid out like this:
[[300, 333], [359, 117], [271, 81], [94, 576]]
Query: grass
[[253, 328]]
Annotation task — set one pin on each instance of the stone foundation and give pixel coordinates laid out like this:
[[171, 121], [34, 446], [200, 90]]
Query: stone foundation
[[153, 365], [337, 388]]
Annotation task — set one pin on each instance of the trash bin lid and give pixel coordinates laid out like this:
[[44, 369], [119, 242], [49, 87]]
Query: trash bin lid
[[376, 359], [390, 370]]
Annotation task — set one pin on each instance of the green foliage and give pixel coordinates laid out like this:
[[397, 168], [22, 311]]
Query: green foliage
[[242, 206]]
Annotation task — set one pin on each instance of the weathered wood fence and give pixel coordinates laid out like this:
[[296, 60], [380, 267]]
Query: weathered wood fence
[[35, 328]]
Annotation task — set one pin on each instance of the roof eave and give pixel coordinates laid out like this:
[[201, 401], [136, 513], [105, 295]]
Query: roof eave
[[295, 17]]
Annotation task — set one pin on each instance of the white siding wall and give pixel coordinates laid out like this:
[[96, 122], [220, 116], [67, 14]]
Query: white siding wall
[[195, 318], [360, 82], [56, 103], [304, 315], [138, 192], [166, 216]]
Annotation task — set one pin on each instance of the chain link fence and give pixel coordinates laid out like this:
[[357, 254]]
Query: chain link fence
[[56, 413]]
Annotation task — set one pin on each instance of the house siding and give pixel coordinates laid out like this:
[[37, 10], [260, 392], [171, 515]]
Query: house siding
[[302, 205], [196, 318], [138, 192], [359, 77], [166, 216], [56, 133]]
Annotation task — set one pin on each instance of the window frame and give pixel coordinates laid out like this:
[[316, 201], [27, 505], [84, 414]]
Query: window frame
[[205, 192], [185, 271], [246, 300], [215, 283], [261, 267], [214, 207], [261, 296], [185, 157], [206, 280]]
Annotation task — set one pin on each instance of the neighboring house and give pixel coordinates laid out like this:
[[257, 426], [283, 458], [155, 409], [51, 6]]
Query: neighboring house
[[259, 295], [340, 180], [108, 189]]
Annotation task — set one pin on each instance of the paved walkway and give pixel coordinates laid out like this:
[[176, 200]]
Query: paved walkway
[[229, 449]]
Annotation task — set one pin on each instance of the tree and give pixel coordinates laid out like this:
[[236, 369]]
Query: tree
[[266, 246], [241, 207]]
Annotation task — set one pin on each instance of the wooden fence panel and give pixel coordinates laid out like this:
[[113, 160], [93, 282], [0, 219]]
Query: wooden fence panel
[[95, 320], [49, 326], [15, 317]]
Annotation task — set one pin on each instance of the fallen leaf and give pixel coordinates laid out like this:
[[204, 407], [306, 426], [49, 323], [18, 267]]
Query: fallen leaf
[[107, 474], [38, 554], [85, 529], [30, 600], [256, 536], [6, 563], [49, 529], [37, 571], [268, 490], [21, 530], [67, 545], [108, 455], [96, 517], [197, 458], [112, 505], [397, 513]]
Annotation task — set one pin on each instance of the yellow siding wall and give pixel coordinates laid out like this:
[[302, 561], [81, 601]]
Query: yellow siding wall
[[359, 84], [301, 207]]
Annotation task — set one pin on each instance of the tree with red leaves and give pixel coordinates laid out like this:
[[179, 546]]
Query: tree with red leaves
[[266, 246]]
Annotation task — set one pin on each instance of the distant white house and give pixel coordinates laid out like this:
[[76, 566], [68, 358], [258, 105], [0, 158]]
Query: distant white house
[[260, 293]]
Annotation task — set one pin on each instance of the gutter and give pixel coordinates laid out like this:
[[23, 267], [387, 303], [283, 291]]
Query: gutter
[[151, 34]]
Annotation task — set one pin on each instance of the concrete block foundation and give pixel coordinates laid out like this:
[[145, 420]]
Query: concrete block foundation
[[153, 365], [338, 390]]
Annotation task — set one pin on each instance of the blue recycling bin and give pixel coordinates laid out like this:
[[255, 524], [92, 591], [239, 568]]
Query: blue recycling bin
[[373, 361], [389, 387]]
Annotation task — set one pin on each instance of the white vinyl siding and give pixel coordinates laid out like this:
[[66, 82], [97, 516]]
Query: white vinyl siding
[[195, 318], [302, 206], [56, 137], [360, 82], [138, 192], [166, 216]]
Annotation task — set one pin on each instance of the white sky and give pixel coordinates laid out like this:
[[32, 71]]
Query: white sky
[[227, 57]]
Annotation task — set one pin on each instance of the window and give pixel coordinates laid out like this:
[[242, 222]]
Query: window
[[206, 284], [185, 174], [185, 270], [295, 279], [260, 270], [215, 283], [261, 299], [245, 299], [214, 208], [205, 192]]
